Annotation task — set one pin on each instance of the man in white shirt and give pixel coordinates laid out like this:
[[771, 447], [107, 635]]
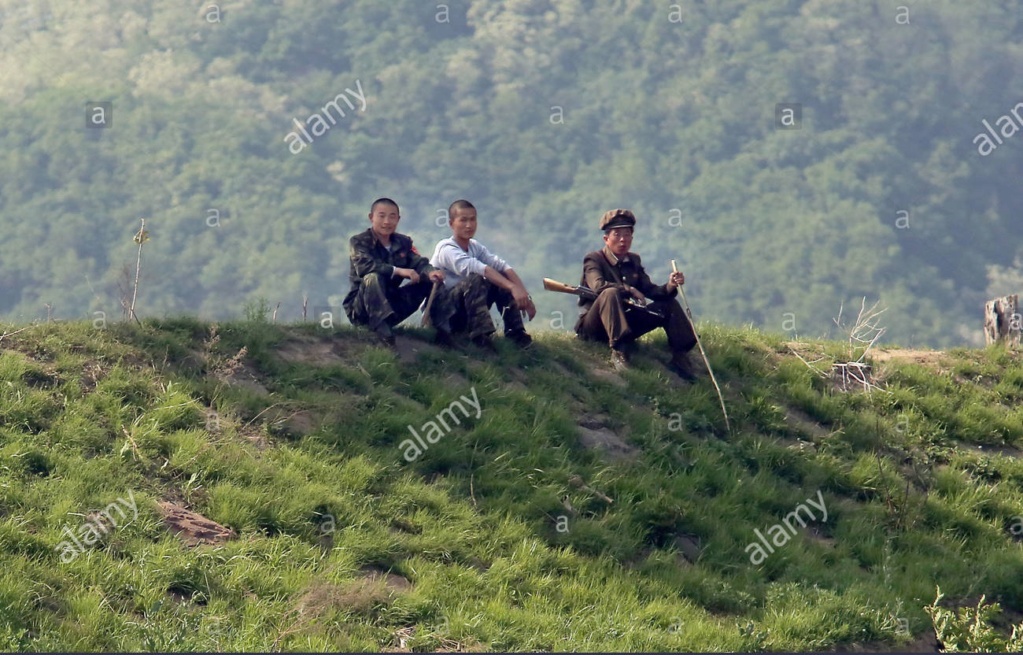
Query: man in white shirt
[[477, 279]]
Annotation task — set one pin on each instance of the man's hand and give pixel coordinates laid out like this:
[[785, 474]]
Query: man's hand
[[407, 273], [523, 302], [436, 276], [675, 280], [637, 294]]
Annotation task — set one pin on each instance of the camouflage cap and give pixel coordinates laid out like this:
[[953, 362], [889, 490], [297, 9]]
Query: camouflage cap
[[617, 218]]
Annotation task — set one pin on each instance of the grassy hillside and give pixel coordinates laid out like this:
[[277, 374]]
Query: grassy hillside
[[574, 509]]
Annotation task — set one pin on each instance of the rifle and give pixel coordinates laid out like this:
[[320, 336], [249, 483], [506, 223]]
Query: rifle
[[561, 287], [590, 294]]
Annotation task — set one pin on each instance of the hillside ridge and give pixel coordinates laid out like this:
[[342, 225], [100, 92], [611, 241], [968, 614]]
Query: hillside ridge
[[565, 506]]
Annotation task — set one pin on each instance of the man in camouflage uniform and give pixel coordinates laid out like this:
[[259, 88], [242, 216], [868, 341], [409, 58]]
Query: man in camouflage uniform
[[478, 279], [617, 315], [381, 259]]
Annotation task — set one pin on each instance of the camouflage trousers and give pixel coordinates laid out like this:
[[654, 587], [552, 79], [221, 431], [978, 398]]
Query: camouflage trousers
[[377, 302], [616, 322], [472, 298]]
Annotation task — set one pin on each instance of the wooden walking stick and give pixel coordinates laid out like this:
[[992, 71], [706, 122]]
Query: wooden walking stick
[[692, 322], [429, 303]]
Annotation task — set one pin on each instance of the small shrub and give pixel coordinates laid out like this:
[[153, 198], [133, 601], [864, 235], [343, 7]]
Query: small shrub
[[969, 629]]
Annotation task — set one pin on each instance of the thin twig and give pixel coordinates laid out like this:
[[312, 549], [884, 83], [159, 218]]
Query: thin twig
[[134, 446], [141, 238], [11, 334], [809, 365], [857, 372]]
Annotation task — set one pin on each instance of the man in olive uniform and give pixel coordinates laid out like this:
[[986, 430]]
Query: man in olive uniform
[[617, 315], [381, 259]]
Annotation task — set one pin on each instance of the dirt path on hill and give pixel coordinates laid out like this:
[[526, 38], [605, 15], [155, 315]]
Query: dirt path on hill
[[924, 357], [879, 355]]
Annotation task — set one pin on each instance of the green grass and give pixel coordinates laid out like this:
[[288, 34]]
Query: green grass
[[508, 533]]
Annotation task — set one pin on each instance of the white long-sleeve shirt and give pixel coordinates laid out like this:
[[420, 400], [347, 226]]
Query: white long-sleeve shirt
[[457, 263]]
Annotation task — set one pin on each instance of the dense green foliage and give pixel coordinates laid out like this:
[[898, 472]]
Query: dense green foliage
[[518, 529], [543, 113]]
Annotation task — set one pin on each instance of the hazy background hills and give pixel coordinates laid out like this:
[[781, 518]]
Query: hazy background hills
[[544, 114]]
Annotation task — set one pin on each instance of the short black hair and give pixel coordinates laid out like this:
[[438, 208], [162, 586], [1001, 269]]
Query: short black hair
[[459, 204], [383, 201]]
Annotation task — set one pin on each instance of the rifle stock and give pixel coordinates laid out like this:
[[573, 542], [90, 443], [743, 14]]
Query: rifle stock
[[586, 292], [561, 287]]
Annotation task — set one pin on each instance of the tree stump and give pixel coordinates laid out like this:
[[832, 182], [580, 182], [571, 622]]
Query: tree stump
[[1002, 320]]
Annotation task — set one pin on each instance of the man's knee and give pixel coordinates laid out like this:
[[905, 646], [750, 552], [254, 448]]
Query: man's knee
[[673, 311], [474, 289], [610, 296], [372, 280], [373, 304], [471, 283], [476, 282]]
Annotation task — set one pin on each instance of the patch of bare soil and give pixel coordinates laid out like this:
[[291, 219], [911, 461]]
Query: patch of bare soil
[[934, 358], [392, 582], [517, 378], [309, 350], [603, 371], [1006, 451], [302, 422], [595, 435], [362, 595], [877, 355], [925, 643], [92, 373], [294, 423], [365, 595], [192, 528], [690, 546], [455, 380], [409, 349], [815, 534], [252, 433], [802, 422], [246, 377]]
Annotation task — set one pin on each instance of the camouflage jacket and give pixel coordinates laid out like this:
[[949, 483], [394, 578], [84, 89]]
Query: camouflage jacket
[[368, 255]]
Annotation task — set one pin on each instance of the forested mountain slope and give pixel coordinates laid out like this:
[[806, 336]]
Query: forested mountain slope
[[544, 114]]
